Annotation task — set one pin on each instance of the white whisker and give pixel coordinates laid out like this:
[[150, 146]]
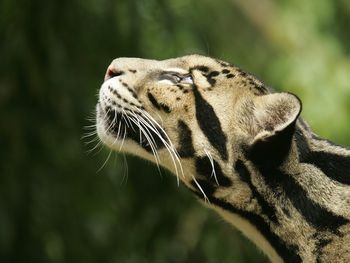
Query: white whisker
[[168, 147], [105, 162], [124, 136], [213, 172], [112, 122], [171, 148], [98, 144], [149, 139], [92, 140], [89, 127], [126, 169], [89, 134], [200, 189]]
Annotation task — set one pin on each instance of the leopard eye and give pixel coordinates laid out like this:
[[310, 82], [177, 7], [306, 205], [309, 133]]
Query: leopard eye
[[171, 76], [176, 78], [187, 79]]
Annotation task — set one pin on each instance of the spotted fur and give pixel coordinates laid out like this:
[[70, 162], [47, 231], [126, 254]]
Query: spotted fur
[[238, 146]]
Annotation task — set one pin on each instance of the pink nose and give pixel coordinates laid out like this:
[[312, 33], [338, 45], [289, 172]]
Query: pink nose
[[112, 72]]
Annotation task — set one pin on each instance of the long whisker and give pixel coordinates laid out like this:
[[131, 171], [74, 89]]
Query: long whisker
[[168, 147], [98, 145], [112, 122], [213, 172], [126, 170], [200, 189], [88, 134], [173, 152], [124, 136], [105, 162], [92, 140], [148, 127], [148, 137], [89, 127]]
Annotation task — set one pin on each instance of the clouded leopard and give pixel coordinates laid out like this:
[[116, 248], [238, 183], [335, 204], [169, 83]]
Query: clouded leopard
[[237, 145]]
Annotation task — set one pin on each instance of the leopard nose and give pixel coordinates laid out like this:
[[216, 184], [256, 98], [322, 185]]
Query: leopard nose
[[112, 72]]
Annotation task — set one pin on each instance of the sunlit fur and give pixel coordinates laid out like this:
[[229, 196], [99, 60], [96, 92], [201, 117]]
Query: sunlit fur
[[240, 155]]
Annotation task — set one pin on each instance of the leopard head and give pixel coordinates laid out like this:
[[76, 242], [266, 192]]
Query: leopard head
[[190, 114]]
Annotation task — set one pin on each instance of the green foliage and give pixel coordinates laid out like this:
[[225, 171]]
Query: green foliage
[[54, 205]]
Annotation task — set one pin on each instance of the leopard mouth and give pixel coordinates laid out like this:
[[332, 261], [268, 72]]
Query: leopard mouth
[[130, 125]]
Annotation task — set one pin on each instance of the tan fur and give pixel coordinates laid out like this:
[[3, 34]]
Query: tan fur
[[249, 113]]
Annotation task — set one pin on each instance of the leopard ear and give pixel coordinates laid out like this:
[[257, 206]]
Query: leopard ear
[[275, 116]]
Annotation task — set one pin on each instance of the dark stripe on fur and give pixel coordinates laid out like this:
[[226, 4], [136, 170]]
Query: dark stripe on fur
[[336, 167], [185, 140], [210, 124], [316, 215], [245, 176], [157, 105], [153, 100], [289, 253]]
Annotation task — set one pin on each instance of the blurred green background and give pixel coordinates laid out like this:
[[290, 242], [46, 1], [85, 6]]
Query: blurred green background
[[55, 204]]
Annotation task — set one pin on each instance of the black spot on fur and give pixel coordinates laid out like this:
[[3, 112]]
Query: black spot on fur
[[116, 93], [245, 176], [214, 73], [210, 77], [205, 168], [180, 86], [210, 124], [132, 92], [165, 108], [200, 68], [230, 76], [225, 71], [133, 70], [185, 140]]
